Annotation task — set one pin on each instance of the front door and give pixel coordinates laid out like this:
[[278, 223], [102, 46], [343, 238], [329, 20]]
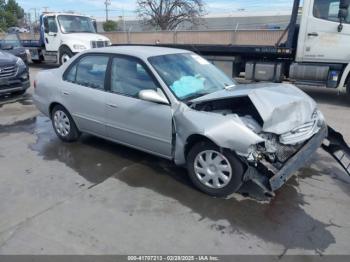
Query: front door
[[321, 41], [52, 39], [130, 120]]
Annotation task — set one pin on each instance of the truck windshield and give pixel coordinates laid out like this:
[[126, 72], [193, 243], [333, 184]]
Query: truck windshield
[[190, 76], [76, 24]]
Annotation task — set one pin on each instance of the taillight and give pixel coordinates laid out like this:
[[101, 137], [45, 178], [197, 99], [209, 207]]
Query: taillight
[[34, 83]]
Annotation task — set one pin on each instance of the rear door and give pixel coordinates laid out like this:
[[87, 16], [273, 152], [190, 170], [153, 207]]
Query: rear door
[[84, 92], [130, 120]]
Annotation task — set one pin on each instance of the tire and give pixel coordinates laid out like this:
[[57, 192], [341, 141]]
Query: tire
[[65, 55], [64, 125], [210, 180]]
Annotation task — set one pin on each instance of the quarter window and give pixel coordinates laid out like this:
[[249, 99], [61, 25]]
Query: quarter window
[[90, 71], [129, 77], [328, 10]]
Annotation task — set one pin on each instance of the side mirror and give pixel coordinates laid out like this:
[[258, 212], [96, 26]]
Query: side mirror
[[94, 23], [343, 13], [152, 96], [344, 4], [46, 26]]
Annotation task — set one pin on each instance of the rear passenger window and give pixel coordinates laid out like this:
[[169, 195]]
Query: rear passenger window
[[90, 71]]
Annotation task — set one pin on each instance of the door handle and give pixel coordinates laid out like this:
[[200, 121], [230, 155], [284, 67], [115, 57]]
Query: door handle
[[313, 34], [112, 105], [65, 93]]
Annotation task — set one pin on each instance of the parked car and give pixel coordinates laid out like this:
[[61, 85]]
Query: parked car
[[15, 29], [11, 43], [175, 104], [14, 75]]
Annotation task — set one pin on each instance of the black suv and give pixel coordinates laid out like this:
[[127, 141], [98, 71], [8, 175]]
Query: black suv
[[14, 74]]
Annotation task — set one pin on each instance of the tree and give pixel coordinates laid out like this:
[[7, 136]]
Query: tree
[[110, 25], [10, 14], [168, 14], [13, 8]]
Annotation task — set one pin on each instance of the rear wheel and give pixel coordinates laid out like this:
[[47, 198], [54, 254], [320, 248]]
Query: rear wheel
[[64, 125], [214, 171]]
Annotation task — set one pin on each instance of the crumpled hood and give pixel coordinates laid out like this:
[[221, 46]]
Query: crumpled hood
[[282, 107]]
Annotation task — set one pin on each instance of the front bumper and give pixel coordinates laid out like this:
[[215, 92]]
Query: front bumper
[[298, 160], [15, 84], [271, 178]]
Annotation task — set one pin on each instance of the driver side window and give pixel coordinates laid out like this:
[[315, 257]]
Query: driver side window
[[129, 77], [51, 21], [328, 10]]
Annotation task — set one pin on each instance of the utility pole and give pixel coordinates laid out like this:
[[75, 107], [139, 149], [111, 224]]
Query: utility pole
[[107, 3]]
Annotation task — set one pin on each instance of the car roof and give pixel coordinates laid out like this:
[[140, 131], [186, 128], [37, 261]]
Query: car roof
[[139, 50]]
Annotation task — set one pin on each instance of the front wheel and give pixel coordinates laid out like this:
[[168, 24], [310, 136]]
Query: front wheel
[[214, 171], [65, 55], [64, 125]]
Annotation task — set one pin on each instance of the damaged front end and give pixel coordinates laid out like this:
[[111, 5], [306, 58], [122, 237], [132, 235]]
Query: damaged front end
[[291, 130], [274, 161]]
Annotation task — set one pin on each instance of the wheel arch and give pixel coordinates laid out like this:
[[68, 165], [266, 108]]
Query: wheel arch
[[52, 106], [62, 46], [194, 139], [345, 80]]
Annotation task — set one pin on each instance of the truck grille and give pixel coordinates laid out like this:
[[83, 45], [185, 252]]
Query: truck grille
[[97, 44], [8, 71]]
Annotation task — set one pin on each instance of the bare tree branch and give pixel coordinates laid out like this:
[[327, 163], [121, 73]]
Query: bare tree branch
[[168, 14]]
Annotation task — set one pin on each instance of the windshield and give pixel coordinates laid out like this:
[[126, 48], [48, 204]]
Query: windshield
[[76, 24], [190, 76], [11, 39]]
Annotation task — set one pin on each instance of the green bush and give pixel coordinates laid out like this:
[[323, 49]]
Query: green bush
[[110, 26]]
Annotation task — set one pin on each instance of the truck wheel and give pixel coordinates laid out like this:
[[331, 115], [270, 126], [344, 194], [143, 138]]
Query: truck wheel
[[65, 55], [214, 171], [64, 125]]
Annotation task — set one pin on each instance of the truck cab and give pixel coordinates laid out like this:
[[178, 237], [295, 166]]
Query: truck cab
[[62, 35], [323, 48]]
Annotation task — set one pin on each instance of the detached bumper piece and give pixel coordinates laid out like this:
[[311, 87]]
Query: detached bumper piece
[[336, 146]]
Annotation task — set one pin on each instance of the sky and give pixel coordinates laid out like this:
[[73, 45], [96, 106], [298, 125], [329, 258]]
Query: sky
[[126, 7]]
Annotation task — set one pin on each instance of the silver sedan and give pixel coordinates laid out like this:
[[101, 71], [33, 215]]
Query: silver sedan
[[175, 104]]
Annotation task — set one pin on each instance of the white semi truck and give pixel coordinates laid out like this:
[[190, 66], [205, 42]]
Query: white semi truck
[[62, 35], [316, 50]]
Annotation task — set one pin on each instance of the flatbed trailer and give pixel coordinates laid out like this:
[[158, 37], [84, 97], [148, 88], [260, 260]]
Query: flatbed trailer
[[316, 51]]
